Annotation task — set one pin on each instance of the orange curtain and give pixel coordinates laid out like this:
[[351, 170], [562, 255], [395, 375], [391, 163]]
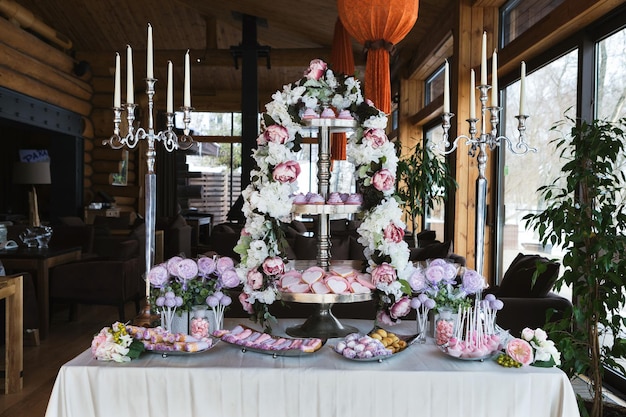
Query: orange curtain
[[342, 61], [379, 25]]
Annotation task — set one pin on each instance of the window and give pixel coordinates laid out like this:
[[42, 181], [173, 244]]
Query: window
[[611, 77], [550, 91], [213, 180], [435, 218], [517, 16], [433, 87]]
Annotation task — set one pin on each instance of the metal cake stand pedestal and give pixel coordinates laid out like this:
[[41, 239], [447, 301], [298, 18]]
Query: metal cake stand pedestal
[[322, 323]]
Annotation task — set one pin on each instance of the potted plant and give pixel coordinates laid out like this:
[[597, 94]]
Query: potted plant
[[423, 180], [586, 215]]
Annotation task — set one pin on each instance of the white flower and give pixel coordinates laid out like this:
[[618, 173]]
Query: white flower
[[257, 252], [528, 334], [541, 335], [256, 225], [376, 122]]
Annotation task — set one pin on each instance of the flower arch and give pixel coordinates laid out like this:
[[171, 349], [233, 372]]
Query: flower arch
[[269, 196]]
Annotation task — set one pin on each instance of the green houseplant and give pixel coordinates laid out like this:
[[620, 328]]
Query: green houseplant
[[423, 180], [585, 213]]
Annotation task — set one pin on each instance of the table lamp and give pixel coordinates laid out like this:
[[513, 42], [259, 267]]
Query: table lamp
[[32, 173]]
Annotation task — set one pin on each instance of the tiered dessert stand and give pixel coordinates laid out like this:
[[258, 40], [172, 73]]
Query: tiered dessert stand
[[322, 323]]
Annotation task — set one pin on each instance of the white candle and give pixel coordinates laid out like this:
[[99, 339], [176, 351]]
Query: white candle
[[170, 88], [187, 91], [446, 88], [117, 92], [483, 61], [150, 62], [522, 89], [494, 79], [130, 88], [472, 113]]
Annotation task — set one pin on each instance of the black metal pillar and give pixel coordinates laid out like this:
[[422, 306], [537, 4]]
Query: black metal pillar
[[249, 95]]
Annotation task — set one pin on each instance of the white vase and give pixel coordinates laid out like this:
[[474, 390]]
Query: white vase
[[180, 324]]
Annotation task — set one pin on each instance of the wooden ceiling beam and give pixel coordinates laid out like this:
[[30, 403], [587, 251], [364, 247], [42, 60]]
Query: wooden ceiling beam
[[299, 58]]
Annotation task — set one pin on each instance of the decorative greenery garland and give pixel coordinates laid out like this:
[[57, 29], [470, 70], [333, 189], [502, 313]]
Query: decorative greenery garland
[[269, 197]]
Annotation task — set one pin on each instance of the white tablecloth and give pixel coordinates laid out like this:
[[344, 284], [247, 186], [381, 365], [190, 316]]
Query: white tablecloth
[[224, 381]]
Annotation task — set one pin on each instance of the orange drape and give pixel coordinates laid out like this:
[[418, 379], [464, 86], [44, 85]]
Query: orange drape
[[378, 25], [341, 61]]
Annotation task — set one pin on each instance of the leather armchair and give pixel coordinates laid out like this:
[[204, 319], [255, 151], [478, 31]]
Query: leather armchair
[[527, 304]]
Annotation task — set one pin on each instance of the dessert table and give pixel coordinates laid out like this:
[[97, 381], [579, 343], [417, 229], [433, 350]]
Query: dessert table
[[225, 381]]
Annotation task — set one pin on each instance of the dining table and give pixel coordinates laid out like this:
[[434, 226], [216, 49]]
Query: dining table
[[228, 380], [38, 262]]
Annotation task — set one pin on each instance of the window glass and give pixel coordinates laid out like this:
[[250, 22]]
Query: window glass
[[435, 218], [211, 124], [518, 16], [611, 77], [610, 98], [213, 180], [433, 86], [550, 92]]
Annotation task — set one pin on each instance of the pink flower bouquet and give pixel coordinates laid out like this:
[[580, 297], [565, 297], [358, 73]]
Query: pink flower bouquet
[[115, 344]]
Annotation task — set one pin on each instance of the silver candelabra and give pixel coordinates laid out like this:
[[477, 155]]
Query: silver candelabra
[[478, 146], [169, 139]]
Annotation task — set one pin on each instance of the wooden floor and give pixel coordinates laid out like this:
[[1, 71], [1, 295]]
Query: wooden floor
[[68, 339], [42, 363]]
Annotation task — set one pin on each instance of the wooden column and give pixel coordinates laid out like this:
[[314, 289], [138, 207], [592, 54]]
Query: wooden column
[[469, 27]]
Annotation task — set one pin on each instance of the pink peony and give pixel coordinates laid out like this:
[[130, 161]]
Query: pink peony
[[255, 279], [393, 233], [187, 269], [172, 265], [287, 171], [247, 307], [472, 282], [401, 308], [206, 266], [450, 270], [520, 350], [99, 340], [383, 318], [383, 274], [435, 273], [417, 280], [229, 278], [316, 69], [275, 134], [158, 276], [273, 265], [224, 263], [383, 180], [376, 137]]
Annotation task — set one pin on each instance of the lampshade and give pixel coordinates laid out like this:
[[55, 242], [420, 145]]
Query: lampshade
[[31, 173]]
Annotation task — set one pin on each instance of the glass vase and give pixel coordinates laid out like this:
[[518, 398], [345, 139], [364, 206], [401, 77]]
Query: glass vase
[[444, 326], [199, 323]]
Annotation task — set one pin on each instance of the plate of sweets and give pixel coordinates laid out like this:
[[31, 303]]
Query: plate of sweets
[[474, 335], [378, 345], [160, 341], [252, 340]]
